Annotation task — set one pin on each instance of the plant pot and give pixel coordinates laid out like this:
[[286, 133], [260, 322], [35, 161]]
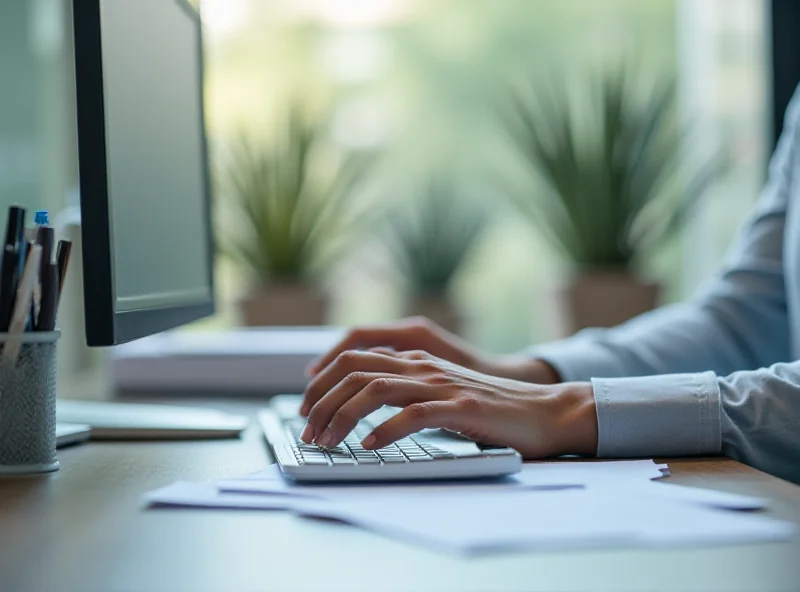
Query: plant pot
[[283, 304], [607, 298], [439, 309]]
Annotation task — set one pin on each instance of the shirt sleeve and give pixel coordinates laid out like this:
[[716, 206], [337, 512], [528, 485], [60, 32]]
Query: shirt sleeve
[[668, 415], [752, 416]]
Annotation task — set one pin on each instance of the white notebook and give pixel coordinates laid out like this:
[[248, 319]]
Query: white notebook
[[128, 421]]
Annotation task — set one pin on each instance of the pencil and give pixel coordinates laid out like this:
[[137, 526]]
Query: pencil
[[22, 307]]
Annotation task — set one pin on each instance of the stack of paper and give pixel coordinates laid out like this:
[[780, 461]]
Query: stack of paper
[[546, 505]]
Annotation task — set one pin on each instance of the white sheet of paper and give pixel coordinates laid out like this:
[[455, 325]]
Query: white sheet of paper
[[542, 475], [206, 495], [466, 522], [704, 497]]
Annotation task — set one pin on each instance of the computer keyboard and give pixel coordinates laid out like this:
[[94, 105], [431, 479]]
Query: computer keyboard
[[351, 452], [431, 454]]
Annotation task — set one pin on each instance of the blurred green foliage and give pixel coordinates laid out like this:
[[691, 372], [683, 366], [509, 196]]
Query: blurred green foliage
[[288, 220], [432, 231], [616, 176]]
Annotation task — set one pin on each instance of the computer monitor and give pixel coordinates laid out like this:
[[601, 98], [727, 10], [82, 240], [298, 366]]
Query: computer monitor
[[143, 164]]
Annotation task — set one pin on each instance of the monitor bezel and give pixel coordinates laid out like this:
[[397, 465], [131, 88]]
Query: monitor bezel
[[105, 325]]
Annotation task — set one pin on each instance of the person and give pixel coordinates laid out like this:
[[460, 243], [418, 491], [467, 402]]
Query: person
[[717, 374]]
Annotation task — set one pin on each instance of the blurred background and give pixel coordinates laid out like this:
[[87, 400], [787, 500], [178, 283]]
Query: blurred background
[[514, 169]]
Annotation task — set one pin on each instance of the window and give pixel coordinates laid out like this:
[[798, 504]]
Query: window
[[421, 80]]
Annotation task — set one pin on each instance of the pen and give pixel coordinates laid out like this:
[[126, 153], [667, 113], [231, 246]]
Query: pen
[[40, 218], [46, 320], [22, 306], [62, 259], [13, 261], [17, 228], [45, 236], [8, 285], [34, 308], [15, 225]]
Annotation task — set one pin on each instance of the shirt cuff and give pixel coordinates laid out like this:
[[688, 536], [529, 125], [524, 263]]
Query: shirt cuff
[[578, 358], [667, 415]]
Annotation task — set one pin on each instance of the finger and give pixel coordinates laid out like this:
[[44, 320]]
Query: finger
[[393, 391], [347, 363], [320, 414], [402, 335], [416, 417]]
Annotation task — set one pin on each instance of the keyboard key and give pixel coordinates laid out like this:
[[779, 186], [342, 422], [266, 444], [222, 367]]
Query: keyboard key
[[441, 454], [430, 448], [393, 459], [369, 460], [339, 453], [337, 460], [419, 458], [315, 461], [499, 452]]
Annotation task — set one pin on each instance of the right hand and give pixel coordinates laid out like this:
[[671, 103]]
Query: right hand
[[419, 333], [538, 421]]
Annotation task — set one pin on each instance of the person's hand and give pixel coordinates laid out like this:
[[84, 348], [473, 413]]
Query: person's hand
[[420, 334], [538, 421]]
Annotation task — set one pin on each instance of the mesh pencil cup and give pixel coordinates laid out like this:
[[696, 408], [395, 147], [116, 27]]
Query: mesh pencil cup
[[28, 403]]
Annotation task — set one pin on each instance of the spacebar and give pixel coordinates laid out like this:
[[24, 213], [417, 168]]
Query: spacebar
[[452, 443]]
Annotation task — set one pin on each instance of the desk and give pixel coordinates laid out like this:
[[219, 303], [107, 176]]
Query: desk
[[84, 529]]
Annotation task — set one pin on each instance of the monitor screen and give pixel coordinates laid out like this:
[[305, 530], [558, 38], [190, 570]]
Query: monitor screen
[[143, 167]]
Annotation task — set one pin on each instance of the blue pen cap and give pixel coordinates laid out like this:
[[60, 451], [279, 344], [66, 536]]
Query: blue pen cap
[[41, 218]]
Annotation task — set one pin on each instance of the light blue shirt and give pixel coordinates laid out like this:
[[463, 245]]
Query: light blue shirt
[[720, 373]]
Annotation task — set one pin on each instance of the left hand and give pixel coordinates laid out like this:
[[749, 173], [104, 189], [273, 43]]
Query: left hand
[[538, 421]]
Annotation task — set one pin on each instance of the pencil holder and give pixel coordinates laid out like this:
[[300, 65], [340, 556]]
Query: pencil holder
[[28, 403]]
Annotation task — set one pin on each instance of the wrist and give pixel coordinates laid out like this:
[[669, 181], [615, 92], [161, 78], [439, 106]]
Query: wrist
[[578, 424]]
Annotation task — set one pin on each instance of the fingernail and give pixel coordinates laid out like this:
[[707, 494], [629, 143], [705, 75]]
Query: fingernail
[[325, 440], [308, 434], [369, 441]]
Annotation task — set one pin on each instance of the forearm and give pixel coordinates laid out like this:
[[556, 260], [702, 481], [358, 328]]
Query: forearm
[[715, 334]]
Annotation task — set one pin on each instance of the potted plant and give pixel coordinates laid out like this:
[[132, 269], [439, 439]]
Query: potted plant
[[429, 237], [616, 181], [287, 221]]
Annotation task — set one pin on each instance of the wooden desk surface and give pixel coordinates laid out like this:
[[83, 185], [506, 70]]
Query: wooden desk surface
[[84, 529]]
